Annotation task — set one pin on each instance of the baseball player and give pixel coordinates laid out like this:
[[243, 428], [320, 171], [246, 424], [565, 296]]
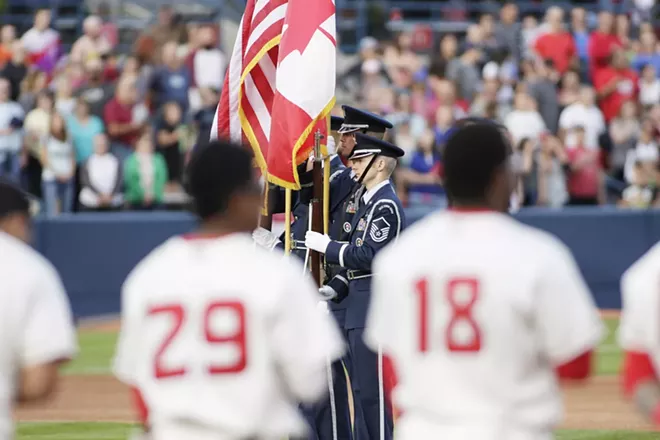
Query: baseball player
[[639, 333], [479, 313], [221, 339], [37, 334]]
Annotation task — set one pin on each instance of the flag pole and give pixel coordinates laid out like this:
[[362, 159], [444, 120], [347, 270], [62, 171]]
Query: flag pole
[[287, 221], [316, 204], [326, 194]]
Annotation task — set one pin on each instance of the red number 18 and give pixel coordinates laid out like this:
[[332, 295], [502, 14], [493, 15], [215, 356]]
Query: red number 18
[[461, 313]]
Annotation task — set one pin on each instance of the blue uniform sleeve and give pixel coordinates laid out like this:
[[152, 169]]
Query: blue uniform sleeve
[[383, 225], [340, 285]]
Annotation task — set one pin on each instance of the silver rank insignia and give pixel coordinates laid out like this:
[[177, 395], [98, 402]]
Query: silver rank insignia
[[358, 242], [347, 227], [361, 225], [351, 208]]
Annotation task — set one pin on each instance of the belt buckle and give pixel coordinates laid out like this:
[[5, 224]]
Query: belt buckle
[[350, 275]]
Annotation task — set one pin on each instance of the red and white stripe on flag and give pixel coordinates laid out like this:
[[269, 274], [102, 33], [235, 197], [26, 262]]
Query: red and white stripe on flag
[[244, 111], [304, 87]]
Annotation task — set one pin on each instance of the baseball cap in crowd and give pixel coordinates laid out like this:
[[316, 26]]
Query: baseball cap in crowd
[[356, 119], [367, 145]]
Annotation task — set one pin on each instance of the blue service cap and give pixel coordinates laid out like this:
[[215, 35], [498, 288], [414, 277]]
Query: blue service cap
[[336, 122], [366, 145], [362, 120]]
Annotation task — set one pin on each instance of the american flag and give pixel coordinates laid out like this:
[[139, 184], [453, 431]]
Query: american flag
[[244, 112]]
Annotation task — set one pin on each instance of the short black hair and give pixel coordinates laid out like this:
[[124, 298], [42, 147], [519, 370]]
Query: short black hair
[[217, 171], [13, 200], [472, 154]]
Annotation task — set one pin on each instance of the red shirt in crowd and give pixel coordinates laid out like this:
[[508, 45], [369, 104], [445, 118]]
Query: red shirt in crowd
[[626, 89], [117, 113], [558, 47], [600, 48], [585, 181]]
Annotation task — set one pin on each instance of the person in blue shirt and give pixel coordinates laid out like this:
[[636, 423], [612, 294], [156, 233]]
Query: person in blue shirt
[[378, 220], [172, 81]]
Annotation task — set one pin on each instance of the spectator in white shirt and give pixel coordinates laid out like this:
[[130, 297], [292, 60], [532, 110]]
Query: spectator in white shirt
[[208, 65], [101, 178], [11, 133], [524, 121], [649, 87], [583, 113], [59, 167], [645, 153], [40, 36]]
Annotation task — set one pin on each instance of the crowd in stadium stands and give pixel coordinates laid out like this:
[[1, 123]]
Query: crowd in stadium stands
[[580, 94], [95, 130]]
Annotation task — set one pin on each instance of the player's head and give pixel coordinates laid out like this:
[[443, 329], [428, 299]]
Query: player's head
[[373, 160], [359, 121], [476, 166], [15, 211], [221, 181]]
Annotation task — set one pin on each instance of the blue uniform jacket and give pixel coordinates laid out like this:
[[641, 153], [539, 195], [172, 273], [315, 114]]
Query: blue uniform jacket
[[373, 226]]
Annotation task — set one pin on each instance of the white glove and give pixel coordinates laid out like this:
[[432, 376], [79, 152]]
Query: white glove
[[316, 241], [328, 293], [331, 146], [265, 238]]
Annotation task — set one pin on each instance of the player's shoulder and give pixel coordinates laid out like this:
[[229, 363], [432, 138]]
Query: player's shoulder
[[537, 243], [17, 257], [645, 270]]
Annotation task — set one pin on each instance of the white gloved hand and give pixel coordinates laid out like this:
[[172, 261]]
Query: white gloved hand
[[327, 293], [265, 238], [332, 147], [316, 241]]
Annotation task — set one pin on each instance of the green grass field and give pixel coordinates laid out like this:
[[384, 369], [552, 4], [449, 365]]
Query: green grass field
[[96, 353]]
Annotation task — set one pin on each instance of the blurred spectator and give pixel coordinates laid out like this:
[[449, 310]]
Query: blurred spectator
[[15, 70], [569, 92], [583, 113], [624, 132], [637, 194], [444, 121], [649, 87], [585, 179], [7, 40], [42, 43], [11, 140], [581, 37], [171, 81], [58, 160], [64, 100], [530, 32], [524, 121], [96, 92], [465, 71], [169, 141], [622, 32], [424, 181], [124, 119], [647, 53], [508, 30], [602, 44], [92, 44], [168, 28], [541, 87], [37, 129], [645, 154], [207, 63], [557, 44], [133, 67], [615, 84], [35, 83], [205, 117], [101, 178], [145, 175], [551, 180], [83, 128]]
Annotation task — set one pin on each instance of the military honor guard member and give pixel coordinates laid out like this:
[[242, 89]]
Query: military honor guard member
[[377, 221]]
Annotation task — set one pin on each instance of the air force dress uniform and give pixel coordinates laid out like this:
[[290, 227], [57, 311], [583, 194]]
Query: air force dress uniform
[[377, 221]]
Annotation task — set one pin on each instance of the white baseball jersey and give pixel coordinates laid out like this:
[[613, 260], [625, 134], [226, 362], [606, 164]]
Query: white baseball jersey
[[639, 328], [476, 310], [36, 326], [222, 338]]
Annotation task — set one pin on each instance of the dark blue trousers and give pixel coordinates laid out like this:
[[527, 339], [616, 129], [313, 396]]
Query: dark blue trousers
[[367, 390], [319, 416]]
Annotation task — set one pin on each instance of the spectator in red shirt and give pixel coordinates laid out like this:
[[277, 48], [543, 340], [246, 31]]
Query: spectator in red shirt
[[585, 178], [602, 43], [615, 84], [557, 44], [124, 119]]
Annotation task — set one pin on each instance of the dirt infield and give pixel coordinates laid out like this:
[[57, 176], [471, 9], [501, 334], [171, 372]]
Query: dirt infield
[[597, 405]]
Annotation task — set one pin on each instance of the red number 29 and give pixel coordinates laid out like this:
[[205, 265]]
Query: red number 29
[[236, 337], [461, 313]]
